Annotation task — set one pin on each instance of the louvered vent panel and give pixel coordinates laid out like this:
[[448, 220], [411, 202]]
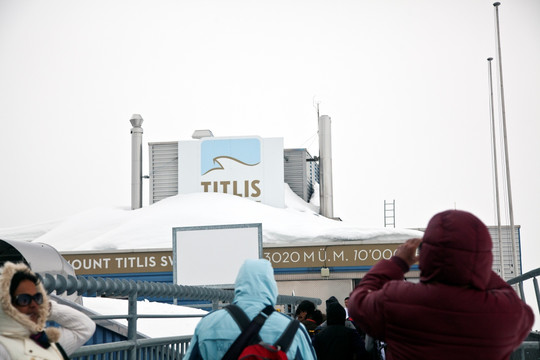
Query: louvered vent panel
[[163, 170], [299, 172]]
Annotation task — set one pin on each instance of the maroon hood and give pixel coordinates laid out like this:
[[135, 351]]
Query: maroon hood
[[456, 250]]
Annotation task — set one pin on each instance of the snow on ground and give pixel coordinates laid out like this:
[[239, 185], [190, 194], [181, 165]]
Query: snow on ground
[[150, 226], [151, 327]]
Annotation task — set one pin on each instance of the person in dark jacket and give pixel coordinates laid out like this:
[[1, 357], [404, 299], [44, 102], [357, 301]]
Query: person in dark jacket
[[322, 326], [312, 321], [304, 309], [336, 341], [460, 309], [309, 316]]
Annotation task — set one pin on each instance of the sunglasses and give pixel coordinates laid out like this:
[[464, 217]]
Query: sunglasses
[[26, 299]]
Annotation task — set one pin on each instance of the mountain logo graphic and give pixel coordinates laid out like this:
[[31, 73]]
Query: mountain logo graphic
[[245, 151]]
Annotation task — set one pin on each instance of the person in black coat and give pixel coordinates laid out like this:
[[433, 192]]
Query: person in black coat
[[336, 341]]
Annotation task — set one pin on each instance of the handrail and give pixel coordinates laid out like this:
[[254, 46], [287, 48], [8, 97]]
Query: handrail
[[175, 347], [133, 290], [528, 275], [523, 277], [528, 344], [124, 288], [127, 345]]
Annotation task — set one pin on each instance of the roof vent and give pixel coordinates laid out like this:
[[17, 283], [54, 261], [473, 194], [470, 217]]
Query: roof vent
[[199, 134]]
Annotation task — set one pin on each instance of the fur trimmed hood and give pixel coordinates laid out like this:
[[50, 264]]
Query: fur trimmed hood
[[13, 323]]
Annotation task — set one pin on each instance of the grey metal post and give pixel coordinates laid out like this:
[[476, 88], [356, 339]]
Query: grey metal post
[[537, 292], [132, 323], [136, 161], [505, 137], [325, 167], [495, 167]]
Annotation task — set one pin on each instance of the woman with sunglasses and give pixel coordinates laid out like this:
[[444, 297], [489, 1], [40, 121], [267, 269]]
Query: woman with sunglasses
[[24, 310]]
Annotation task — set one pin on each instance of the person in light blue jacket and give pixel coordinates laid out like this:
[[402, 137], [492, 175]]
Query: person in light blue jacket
[[255, 288]]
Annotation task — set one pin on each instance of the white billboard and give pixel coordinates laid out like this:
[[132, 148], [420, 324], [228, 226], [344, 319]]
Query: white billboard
[[212, 255], [250, 167]]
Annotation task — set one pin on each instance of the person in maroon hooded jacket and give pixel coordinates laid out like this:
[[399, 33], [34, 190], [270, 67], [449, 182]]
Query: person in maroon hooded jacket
[[460, 309]]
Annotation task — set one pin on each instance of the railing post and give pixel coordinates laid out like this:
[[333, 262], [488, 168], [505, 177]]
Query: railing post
[[537, 291], [521, 291], [132, 324]]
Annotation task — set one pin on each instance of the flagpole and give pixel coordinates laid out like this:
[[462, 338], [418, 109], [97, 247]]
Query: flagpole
[[495, 168], [505, 137]]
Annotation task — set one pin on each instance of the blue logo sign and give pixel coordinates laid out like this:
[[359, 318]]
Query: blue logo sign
[[244, 151]]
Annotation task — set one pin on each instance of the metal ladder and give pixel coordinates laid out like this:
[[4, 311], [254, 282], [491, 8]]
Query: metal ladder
[[390, 213]]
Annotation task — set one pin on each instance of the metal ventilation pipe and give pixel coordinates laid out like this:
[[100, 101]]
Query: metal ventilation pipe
[[325, 167], [136, 161]]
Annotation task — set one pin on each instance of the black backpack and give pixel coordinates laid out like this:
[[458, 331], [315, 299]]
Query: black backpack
[[249, 345]]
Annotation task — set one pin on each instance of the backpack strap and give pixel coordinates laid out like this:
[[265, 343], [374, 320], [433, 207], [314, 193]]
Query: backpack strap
[[249, 335], [286, 339], [238, 315]]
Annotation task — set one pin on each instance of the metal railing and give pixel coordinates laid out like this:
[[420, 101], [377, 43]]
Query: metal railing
[[174, 348], [529, 349], [168, 348], [527, 276]]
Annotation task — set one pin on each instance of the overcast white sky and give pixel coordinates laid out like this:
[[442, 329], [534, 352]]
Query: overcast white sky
[[405, 83]]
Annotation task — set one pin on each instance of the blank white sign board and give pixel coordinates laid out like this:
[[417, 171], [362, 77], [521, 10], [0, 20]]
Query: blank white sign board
[[212, 255]]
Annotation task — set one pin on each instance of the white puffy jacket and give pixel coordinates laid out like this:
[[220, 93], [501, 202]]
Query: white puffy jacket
[[15, 328]]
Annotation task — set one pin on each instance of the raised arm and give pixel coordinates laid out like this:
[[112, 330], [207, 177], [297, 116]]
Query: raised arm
[[75, 327]]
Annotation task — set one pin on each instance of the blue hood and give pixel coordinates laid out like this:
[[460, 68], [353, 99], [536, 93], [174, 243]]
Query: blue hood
[[255, 288], [255, 283]]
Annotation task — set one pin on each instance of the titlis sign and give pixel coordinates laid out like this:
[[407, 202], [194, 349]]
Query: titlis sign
[[249, 167], [330, 255], [354, 255], [120, 262]]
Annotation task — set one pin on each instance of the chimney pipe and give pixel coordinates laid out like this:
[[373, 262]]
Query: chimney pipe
[[136, 161], [325, 167]]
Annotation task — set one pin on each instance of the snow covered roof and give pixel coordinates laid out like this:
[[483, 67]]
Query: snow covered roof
[[151, 227]]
